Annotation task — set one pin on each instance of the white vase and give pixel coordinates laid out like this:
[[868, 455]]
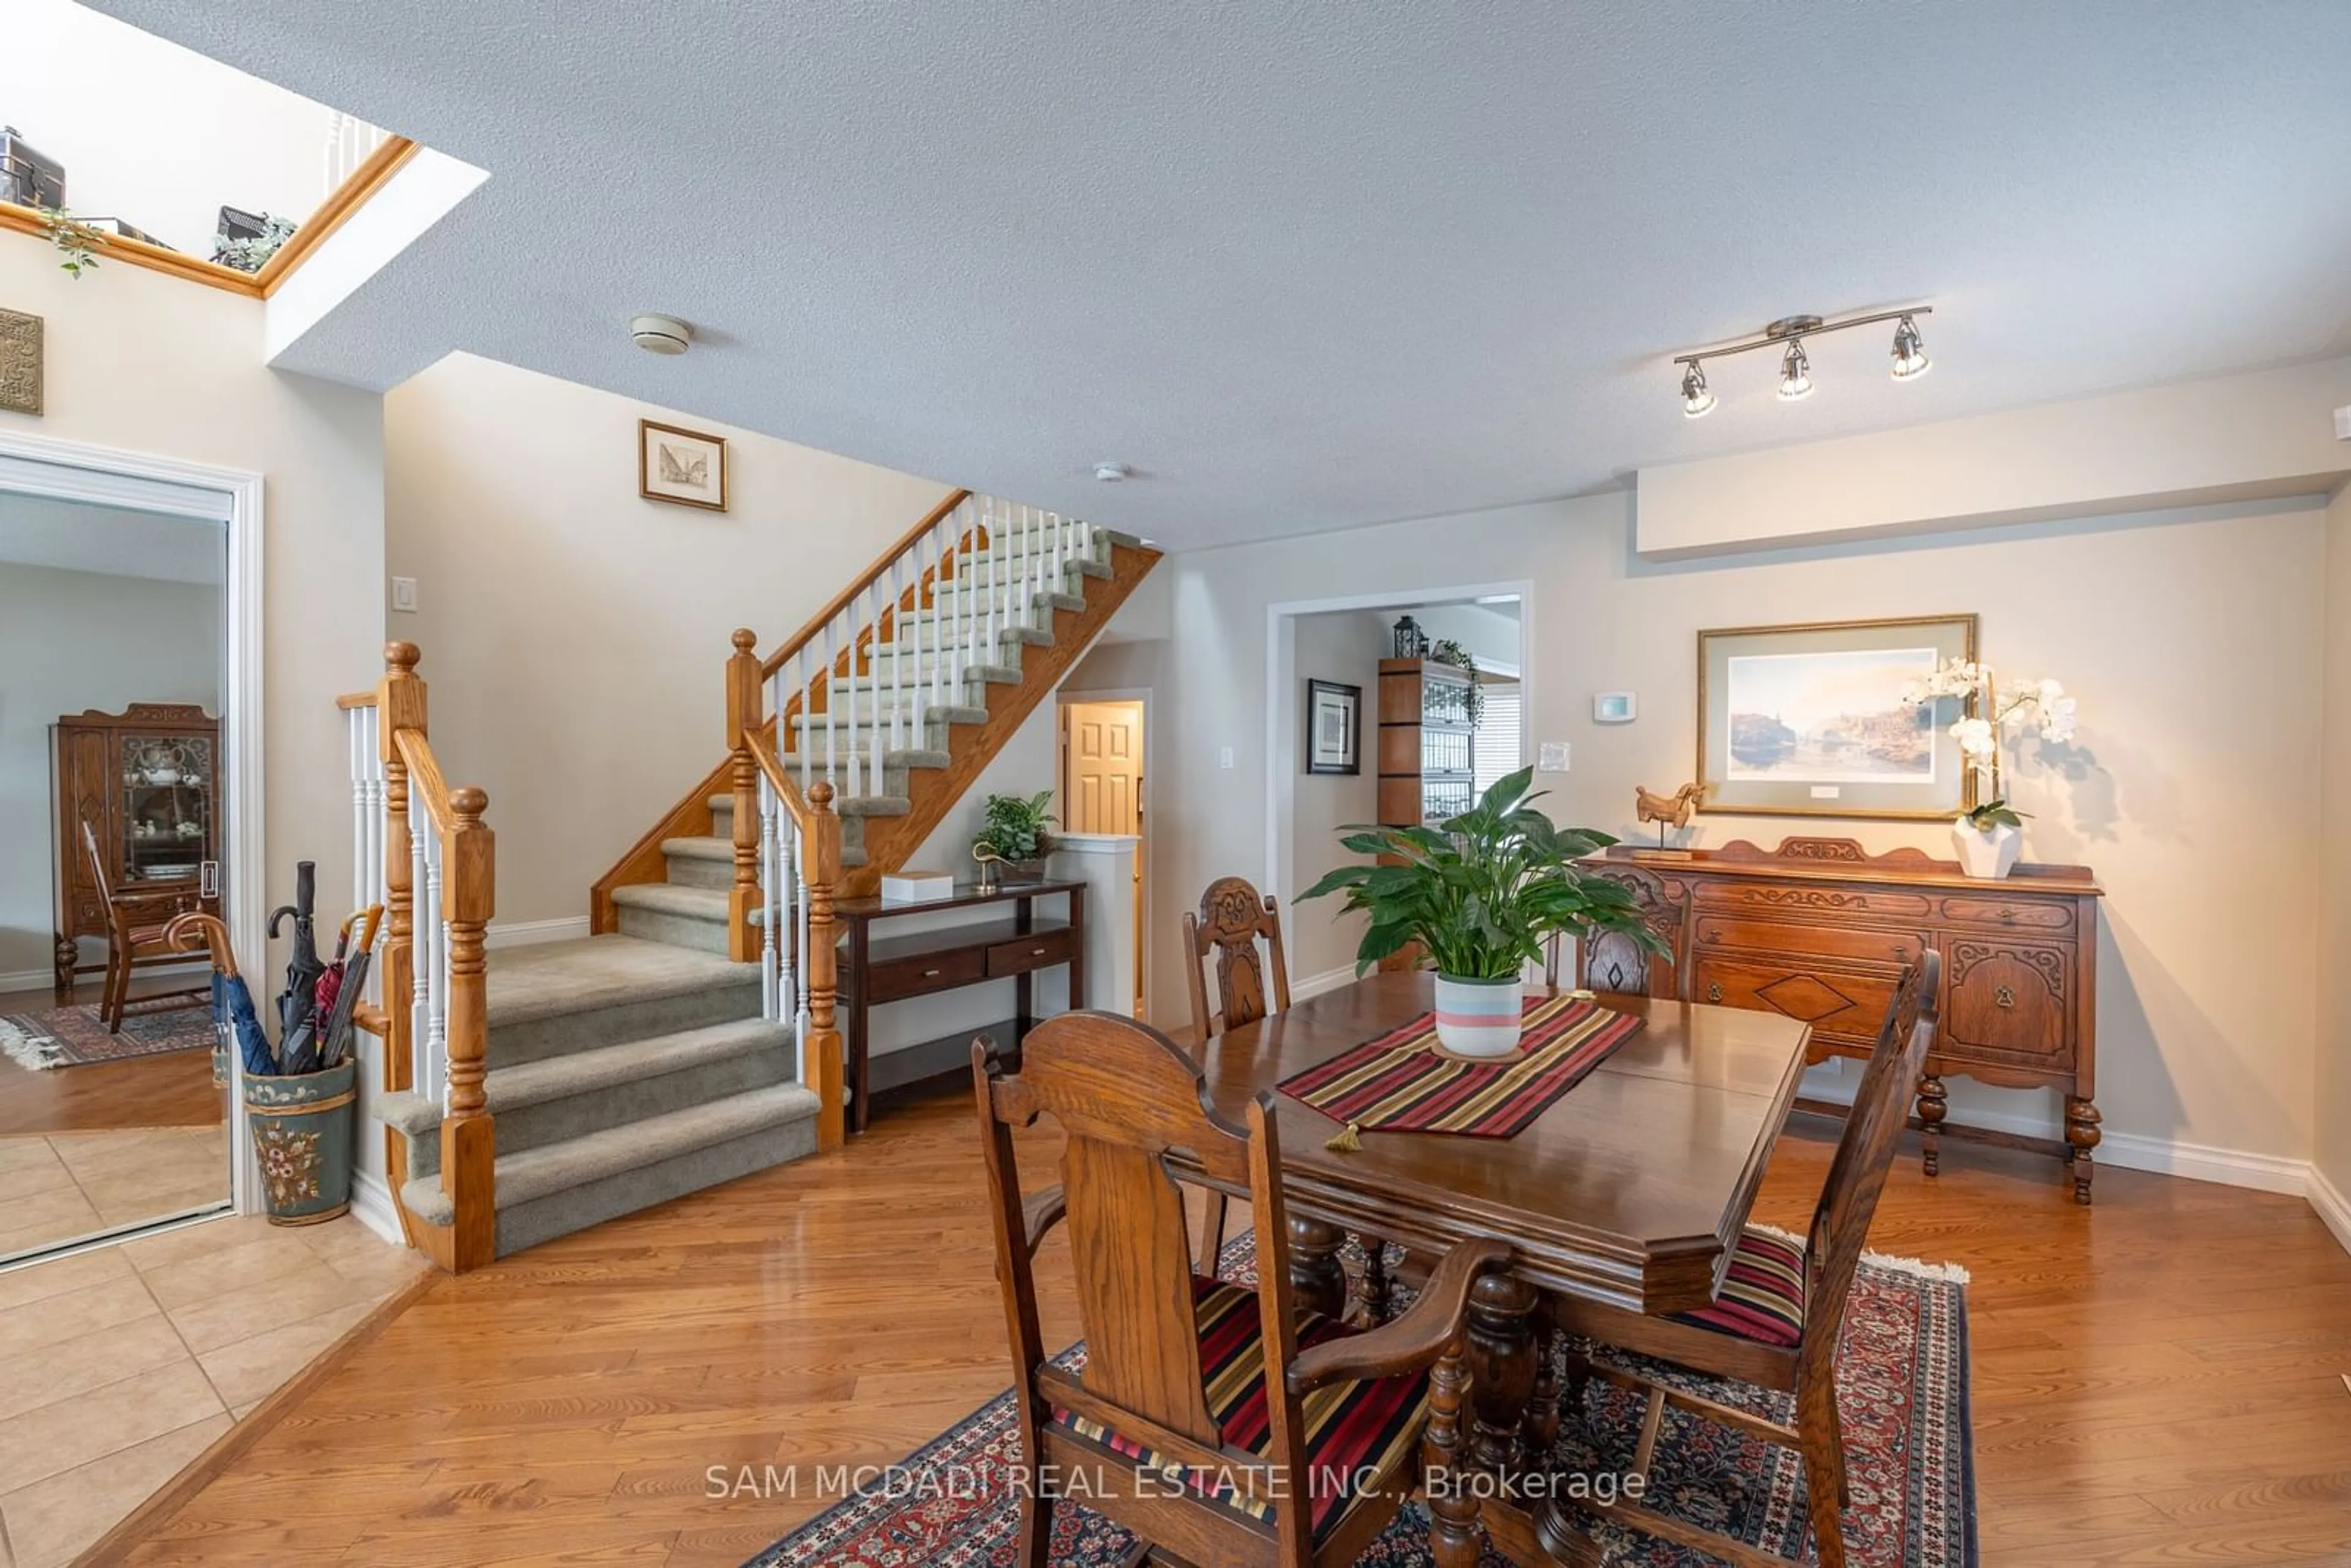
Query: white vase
[[1479, 1018], [1986, 851]]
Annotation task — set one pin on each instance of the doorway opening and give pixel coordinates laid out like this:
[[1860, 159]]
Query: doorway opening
[[1399, 765], [1104, 744]]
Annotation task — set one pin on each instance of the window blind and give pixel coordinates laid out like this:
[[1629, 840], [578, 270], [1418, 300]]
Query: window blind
[[1497, 750]]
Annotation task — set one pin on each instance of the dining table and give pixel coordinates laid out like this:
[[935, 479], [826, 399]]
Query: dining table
[[1631, 1190]]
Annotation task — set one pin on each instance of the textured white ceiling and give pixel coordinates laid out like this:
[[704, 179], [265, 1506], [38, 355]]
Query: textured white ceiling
[[1314, 265]]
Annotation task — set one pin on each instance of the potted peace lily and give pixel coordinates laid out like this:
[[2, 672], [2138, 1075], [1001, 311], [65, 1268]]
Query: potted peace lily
[[1991, 833], [1482, 893]]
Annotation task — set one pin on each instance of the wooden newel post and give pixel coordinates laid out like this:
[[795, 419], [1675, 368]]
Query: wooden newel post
[[821, 1052], [741, 721], [468, 1146], [399, 704]]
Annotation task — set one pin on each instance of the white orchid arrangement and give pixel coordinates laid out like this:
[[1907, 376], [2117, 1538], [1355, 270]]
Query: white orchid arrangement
[[2031, 708]]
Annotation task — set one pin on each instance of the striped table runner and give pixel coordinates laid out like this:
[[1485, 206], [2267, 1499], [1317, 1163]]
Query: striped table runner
[[1402, 1083]]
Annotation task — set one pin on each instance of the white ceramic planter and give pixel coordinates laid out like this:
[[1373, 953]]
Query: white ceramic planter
[[1478, 1018], [1987, 852]]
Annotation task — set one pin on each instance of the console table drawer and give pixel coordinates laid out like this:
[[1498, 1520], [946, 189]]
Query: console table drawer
[[925, 972], [1861, 943], [2007, 1002], [1768, 898], [1846, 1002], [1035, 951]]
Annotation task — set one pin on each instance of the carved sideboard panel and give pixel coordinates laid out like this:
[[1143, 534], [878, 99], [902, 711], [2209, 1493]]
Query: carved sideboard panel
[[1820, 930]]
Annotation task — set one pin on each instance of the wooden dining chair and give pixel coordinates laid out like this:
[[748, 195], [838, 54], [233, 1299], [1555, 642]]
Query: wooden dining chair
[[134, 939], [1775, 1321], [1233, 917], [1611, 962], [1218, 1421]]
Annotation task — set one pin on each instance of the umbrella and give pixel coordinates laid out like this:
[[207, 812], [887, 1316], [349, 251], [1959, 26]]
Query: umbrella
[[302, 965], [233, 1014], [335, 1041]]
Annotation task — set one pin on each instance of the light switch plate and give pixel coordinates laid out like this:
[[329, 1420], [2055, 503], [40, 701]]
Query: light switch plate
[[1551, 756], [403, 594], [1225, 757]]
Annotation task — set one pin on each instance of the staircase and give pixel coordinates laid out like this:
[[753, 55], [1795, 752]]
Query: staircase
[[689, 1040]]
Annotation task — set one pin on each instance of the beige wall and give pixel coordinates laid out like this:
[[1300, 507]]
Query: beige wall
[[2332, 1098], [1344, 647], [2193, 642], [574, 633], [145, 363], [69, 642]]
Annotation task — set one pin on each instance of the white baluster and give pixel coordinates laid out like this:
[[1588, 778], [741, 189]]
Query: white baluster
[[420, 1011], [984, 595], [898, 717], [788, 845], [770, 916], [433, 920], [879, 735], [831, 708]]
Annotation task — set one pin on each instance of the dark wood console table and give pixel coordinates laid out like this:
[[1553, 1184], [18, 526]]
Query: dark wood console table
[[1819, 930], [1013, 946]]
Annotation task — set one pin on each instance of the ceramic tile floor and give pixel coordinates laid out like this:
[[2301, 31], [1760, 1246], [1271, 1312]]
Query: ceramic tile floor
[[121, 1365], [58, 1186]]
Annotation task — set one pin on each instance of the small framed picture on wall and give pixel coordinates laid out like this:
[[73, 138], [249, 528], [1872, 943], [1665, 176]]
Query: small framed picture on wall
[[1334, 731], [683, 467]]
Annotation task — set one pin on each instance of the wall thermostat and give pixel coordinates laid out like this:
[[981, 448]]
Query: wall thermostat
[[1614, 708]]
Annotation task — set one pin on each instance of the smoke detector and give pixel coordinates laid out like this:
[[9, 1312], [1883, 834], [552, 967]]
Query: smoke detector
[[1114, 473], [661, 334]]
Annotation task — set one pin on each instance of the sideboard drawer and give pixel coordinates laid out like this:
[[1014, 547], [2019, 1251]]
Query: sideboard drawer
[[1861, 943], [1812, 898], [926, 972], [1845, 1002], [2019, 914], [1031, 952]]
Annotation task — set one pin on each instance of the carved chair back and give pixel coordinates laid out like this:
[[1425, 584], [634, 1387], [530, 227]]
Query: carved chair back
[[1123, 1094], [1232, 918], [1865, 1152], [1609, 961]]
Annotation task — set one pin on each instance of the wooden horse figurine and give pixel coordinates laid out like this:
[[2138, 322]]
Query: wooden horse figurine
[[1673, 809]]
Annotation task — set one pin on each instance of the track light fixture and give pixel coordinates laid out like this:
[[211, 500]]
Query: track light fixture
[[1795, 377], [1910, 361], [1697, 400], [1788, 334]]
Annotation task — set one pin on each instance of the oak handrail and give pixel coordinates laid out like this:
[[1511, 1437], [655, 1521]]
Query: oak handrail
[[424, 775], [839, 602], [763, 752]]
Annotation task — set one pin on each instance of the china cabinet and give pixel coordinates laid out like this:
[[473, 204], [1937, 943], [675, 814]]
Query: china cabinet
[[147, 780]]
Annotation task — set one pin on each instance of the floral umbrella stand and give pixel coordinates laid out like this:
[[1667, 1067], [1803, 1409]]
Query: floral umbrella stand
[[1991, 833]]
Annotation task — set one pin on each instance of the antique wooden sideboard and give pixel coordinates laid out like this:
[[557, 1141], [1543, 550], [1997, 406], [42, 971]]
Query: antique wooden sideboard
[[1820, 930]]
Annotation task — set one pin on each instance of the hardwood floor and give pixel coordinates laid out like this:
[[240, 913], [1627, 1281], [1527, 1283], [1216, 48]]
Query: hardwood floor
[[2157, 1379], [174, 1090]]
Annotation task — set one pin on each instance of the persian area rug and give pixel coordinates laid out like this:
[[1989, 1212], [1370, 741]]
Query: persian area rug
[[1902, 1375], [73, 1037]]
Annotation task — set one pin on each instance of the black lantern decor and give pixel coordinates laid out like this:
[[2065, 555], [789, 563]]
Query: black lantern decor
[[1411, 641]]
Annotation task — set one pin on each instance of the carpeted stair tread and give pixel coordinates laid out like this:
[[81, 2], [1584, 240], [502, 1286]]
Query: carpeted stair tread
[[932, 713], [606, 1066], [700, 849], [552, 980], [407, 1113], [668, 898]]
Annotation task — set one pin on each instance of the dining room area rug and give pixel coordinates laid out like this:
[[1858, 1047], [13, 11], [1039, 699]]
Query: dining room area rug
[[75, 1036], [1902, 1377]]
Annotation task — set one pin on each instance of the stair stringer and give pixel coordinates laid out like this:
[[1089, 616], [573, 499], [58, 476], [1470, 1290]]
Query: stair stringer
[[890, 842]]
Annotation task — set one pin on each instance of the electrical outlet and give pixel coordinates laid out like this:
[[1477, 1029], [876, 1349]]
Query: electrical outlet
[[403, 594], [1551, 756]]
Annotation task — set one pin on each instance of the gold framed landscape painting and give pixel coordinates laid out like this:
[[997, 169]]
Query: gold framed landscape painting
[[1808, 720], [683, 467]]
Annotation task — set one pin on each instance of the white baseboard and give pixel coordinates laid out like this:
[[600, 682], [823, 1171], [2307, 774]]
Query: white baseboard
[[2331, 1205], [527, 933], [2129, 1151], [372, 1206]]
